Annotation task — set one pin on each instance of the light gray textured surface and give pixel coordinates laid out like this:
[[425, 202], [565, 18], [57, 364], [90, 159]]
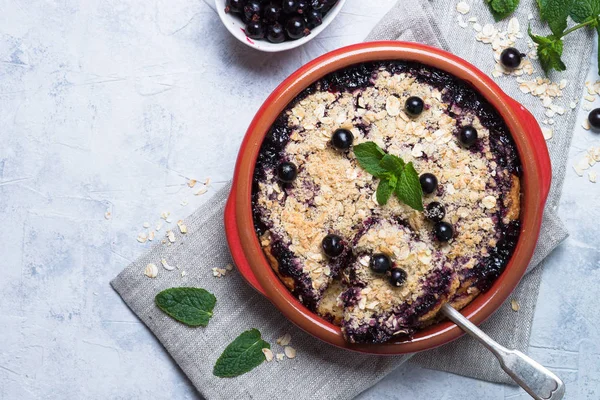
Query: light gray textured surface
[[112, 104]]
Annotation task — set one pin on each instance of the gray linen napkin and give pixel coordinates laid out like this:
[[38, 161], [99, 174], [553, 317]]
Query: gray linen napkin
[[507, 327], [320, 370]]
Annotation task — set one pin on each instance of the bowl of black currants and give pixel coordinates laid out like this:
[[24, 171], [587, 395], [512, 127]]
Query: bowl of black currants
[[277, 25]]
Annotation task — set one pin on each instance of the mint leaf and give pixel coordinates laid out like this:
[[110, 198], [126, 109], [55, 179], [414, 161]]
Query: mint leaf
[[549, 51], [555, 13], [242, 355], [584, 10], [384, 191], [502, 8], [368, 155], [191, 306], [392, 164], [409, 189]]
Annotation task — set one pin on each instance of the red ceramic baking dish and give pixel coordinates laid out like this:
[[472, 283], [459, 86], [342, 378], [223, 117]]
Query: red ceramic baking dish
[[250, 259]]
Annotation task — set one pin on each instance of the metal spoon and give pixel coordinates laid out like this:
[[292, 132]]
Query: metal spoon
[[537, 380]]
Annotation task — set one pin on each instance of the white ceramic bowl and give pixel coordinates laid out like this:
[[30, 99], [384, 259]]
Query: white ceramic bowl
[[235, 25]]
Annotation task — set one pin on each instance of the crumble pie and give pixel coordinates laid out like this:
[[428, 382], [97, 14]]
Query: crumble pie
[[328, 193]]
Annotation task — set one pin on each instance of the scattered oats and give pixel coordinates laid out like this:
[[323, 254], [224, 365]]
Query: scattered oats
[[146, 225], [530, 16], [577, 170], [142, 237], [461, 22], [592, 176], [168, 220], [279, 356], [182, 226], [165, 214], [183, 273], [107, 215], [207, 181], [515, 305], [589, 98], [166, 265], [219, 272], [463, 7], [171, 236], [151, 270], [158, 226], [473, 19], [184, 202], [550, 121], [594, 153], [201, 191], [573, 105], [284, 340], [549, 113], [513, 26], [289, 351], [477, 27], [562, 84], [585, 163], [586, 124], [548, 133], [546, 102], [229, 267], [151, 236], [268, 354], [191, 183], [587, 107]]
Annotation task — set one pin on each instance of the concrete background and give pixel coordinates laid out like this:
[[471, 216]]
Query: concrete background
[[113, 105]]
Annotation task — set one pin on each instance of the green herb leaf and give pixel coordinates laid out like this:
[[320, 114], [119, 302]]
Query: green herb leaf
[[191, 306], [549, 51], [393, 175], [584, 10], [555, 13], [368, 155], [392, 164], [409, 189], [242, 355], [502, 8], [384, 191]]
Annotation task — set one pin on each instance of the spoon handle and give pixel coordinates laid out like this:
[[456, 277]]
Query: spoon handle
[[537, 380]]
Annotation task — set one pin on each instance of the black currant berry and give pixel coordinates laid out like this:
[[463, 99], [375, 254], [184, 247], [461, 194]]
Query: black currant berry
[[594, 118], [429, 183], [333, 245], [467, 136], [342, 139], [397, 277], [287, 172], [435, 212], [443, 231], [414, 106], [511, 58], [380, 263]]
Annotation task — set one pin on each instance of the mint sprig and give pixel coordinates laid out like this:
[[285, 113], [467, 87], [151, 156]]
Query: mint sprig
[[395, 176], [242, 355], [188, 305], [585, 13]]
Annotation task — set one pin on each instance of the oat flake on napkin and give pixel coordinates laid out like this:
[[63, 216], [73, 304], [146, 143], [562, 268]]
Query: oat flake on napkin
[[320, 370]]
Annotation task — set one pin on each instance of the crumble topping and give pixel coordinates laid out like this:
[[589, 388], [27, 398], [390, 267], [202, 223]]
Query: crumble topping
[[333, 194]]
